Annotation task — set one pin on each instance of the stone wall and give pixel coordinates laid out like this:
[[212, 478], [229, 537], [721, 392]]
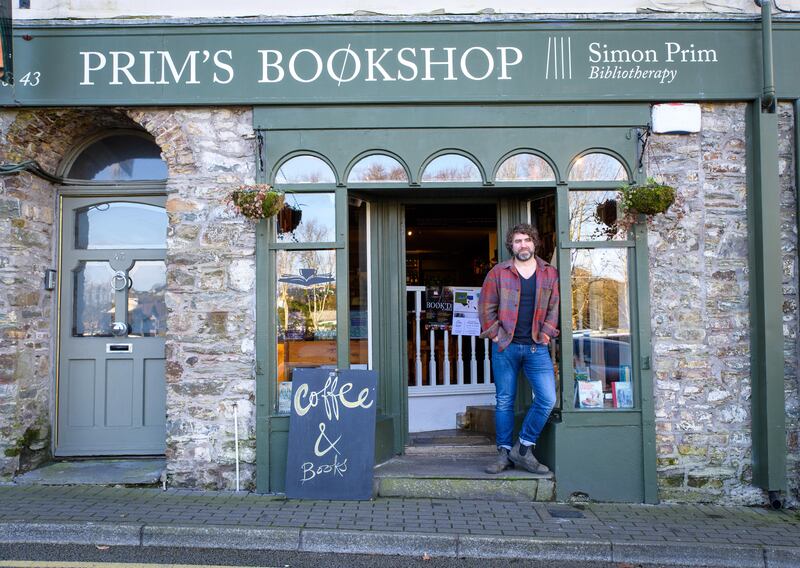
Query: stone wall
[[26, 225], [700, 311], [211, 295], [791, 347]]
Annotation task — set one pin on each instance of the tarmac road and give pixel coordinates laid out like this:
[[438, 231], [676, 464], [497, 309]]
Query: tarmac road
[[73, 556]]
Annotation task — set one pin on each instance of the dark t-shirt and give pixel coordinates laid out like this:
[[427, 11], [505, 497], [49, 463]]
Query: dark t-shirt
[[527, 302]]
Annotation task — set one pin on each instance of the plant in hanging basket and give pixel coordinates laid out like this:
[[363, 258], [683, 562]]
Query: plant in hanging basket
[[259, 201], [649, 198], [289, 218]]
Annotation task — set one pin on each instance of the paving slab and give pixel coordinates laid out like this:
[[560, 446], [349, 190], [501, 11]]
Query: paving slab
[[103, 472]]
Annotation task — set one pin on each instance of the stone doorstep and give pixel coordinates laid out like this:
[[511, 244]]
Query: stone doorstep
[[458, 476]]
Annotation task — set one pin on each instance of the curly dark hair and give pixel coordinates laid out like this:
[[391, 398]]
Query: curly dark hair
[[524, 229]]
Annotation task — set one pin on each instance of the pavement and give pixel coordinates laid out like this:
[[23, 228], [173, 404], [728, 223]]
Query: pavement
[[690, 534]]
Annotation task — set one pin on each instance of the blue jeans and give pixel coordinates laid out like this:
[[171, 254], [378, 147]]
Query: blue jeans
[[538, 368]]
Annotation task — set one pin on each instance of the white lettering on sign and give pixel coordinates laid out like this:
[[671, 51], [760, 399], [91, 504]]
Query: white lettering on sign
[[330, 397], [137, 68], [310, 471]]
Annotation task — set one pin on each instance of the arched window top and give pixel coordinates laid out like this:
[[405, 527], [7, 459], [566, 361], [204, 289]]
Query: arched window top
[[451, 167], [597, 166], [378, 168], [119, 157], [305, 169], [525, 167]]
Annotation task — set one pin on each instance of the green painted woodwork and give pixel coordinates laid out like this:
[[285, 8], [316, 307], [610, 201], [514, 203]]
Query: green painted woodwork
[[58, 63], [766, 301]]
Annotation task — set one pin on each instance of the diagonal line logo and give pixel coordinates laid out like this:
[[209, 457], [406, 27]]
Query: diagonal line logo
[[559, 58]]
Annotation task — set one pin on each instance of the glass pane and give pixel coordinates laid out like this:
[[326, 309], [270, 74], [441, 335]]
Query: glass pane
[[120, 158], [595, 216], [306, 315], [525, 167], [307, 218], [93, 302], [597, 167], [120, 225], [147, 312], [305, 169], [601, 338], [452, 167], [359, 280], [377, 168]]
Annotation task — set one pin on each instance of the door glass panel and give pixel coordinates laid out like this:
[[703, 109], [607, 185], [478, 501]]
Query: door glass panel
[[377, 168], [359, 279], [525, 167], [305, 169], [313, 220], [601, 339], [595, 216], [120, 225], [146, 308], [452, 167], [93, 302], [120, 158], [306, 315]]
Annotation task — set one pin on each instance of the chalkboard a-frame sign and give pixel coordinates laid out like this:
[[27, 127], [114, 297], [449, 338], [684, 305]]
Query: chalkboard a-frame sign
[[331, 434]]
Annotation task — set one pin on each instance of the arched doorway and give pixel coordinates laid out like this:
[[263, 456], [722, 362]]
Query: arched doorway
[[110, 390]]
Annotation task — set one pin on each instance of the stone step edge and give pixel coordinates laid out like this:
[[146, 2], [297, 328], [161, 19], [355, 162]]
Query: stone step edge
[[501, 489]]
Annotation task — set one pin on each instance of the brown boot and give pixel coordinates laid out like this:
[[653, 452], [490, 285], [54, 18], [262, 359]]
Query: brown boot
[[501, 462], [523, 457]]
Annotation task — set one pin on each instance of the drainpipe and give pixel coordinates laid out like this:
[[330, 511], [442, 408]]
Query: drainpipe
[[768, 103]]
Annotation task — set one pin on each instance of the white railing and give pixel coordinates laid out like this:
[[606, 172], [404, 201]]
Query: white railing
[[427, 380]]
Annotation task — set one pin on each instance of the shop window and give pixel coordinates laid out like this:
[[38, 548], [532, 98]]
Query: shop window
[[451, 167], [307, 218], [305, 169], [597, 167], [306, 315], [118, 158], [377, 168], [601, 336], [120, 224], [525, 167], [595, 216]]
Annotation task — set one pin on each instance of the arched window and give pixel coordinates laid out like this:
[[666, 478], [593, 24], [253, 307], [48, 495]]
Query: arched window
[[597, 167], [378, 168], [525, 167], [305, 169], [119, 158], [451, 167]]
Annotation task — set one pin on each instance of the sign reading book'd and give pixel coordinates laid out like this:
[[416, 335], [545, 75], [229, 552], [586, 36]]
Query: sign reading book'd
[[465, 312], [331, 434]]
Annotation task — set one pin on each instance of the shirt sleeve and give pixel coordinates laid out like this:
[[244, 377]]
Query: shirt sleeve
[[487, 307], [550, 324]]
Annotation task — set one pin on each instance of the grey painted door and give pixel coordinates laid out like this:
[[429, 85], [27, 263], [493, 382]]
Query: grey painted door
[[112, 320]]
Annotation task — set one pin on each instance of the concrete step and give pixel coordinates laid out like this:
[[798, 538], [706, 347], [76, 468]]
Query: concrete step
[[452, 450], [458, 477]]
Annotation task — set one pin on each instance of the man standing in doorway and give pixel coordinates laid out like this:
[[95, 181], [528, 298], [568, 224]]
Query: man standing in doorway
[[518, 310]]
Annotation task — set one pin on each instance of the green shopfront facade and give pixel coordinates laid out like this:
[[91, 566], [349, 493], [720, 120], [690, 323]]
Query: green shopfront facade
[[382, 131]]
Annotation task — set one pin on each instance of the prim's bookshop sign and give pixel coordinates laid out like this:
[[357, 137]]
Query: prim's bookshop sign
[[331, 434]]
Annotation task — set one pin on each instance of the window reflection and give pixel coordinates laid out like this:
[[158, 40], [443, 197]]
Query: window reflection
[[359, 281], [120, 158], [525, 167], [120, 225], [377, 168], [93, 302], [147, 312], [597, 167], [306, 315], [601, 324], [307, 218], [595, 216], [305, 169], [452, 167]]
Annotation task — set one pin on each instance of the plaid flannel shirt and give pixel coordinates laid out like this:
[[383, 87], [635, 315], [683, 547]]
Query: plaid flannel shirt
[[499, 302]]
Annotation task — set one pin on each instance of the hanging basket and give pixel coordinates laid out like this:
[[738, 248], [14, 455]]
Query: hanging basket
[[650, 198], [258, 201]]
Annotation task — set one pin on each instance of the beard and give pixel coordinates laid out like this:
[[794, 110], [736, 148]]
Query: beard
[[523, 255]]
